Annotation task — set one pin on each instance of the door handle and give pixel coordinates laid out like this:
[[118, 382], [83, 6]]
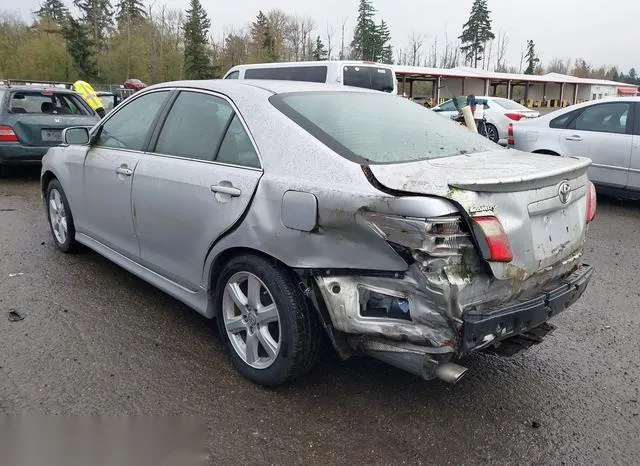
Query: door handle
[[230, 190], [124, 170], [575, 137]]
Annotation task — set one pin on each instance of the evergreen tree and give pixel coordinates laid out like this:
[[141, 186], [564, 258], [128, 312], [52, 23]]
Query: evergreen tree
[[97, 16], [79, 46], [532, 59], [384, 51], [476, 32], [196, 61], [264, 42], [129, 12], [53, 10], [365, 37], [319, 52]]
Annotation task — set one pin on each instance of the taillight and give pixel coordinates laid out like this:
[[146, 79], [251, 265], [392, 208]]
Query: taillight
[[497, 244], [514, 116], [591, 202], [510, 139], [7, 134]]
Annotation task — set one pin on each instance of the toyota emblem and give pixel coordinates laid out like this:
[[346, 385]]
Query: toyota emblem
[[564, 192]]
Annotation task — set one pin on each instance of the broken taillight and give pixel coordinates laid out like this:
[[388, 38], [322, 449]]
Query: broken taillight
[[510, 139], [591, 202], [7, 134], [496, 246]]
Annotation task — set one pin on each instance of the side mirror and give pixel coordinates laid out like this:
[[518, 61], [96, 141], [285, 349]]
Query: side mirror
[[75, 135]]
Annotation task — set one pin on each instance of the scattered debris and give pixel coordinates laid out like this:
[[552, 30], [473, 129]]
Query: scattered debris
[[42, 244], [607, 327], [14, 316], [7, 210], [535, 424], [11, 275]]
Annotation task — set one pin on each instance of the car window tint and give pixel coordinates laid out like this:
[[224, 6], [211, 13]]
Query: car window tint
[[47, 102], [369, 77], [130, 124], [448, 106], [314, 74], [374, 127], [608, 118], [236, 147], [194, 126], [562, 120], [234, 75]]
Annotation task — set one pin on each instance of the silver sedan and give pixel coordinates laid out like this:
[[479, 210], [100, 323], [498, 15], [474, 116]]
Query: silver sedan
[[289, 211]]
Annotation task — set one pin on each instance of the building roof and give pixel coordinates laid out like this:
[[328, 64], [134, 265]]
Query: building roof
[[474, 73]]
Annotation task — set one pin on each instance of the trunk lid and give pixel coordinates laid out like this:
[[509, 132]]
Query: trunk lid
[[45, 129], [522, 190]]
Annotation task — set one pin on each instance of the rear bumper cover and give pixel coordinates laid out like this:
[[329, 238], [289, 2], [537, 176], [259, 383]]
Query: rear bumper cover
[[17, 154], [480, 330]]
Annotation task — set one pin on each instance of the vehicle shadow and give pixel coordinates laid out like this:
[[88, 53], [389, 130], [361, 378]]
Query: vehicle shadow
[[21, 172]]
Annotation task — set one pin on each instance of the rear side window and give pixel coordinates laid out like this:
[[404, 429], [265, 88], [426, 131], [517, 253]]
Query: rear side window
[[561, 121], [233, 75], [369, 77], [509, 104], [194, 126], [47, 102], [314, 74]]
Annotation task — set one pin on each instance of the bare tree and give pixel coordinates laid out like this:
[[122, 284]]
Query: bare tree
[[344, 23], [523, 54], [415, 45], [503, 42]]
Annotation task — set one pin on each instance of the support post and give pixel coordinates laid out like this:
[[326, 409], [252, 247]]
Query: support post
[[561, 93], [575, 94], [438, 90], [509, 89]]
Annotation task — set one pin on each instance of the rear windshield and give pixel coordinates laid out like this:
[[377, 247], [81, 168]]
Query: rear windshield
[[371, 127], [44, 102], [314, 74], [510, 104], [369, 77]]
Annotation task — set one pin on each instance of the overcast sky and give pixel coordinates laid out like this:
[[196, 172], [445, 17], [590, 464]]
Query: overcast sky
[[602, 32]]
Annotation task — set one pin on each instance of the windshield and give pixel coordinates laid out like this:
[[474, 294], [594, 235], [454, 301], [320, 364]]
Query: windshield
[[371, 127], [369, 77], [509, 104]]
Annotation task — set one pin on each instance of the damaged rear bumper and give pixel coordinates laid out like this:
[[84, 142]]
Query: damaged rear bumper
[[486, 328]]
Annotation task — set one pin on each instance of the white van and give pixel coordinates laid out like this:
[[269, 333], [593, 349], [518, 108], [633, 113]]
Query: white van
[[369, 75]]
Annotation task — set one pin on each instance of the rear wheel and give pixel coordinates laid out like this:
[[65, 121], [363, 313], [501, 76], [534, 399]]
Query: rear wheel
[[60, 218], [492, 133], [272, 334]]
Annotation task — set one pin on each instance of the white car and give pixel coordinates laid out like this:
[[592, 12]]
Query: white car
[[498, 111], [603, 130]]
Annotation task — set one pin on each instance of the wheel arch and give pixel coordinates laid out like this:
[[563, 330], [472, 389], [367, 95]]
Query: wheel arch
[[45, 179]]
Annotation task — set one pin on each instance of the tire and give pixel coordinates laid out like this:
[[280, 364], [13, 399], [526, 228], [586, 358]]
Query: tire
[[60, 218], [492, 133], [275, 307]]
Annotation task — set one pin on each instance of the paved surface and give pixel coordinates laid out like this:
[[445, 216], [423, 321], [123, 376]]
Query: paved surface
[[96, 340]]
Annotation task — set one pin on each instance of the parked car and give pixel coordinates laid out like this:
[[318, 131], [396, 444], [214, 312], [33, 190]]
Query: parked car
[[287, 208], [499, 112], [607, 131], [367, 75], [134, 84], [109, 100], [32, 118]]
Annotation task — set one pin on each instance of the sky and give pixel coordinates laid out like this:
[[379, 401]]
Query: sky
[[603, 33]]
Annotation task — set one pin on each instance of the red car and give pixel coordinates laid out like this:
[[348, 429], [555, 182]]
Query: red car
[[134, 84]]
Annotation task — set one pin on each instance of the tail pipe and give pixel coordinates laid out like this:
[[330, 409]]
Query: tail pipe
[[450, 372]]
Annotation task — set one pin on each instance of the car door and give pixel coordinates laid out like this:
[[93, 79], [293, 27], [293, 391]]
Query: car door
[[108, 171], [602, 132], [194, 185], [634, 167]]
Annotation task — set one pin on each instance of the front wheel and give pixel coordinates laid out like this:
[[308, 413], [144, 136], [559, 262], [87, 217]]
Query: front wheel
[[272, 334], [60, 218]]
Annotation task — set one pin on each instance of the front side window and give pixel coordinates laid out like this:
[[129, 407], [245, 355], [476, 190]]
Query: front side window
[[47, 102], [606, 118], [369, 77], [129, 127], [194, 126], [372, 127]]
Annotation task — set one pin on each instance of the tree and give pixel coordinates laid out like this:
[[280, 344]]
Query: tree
[[365, 34], [476, 32], [263, 41], [532, 59], [383, 51], [79, 46], [54, 10], [129, 12], [97, 16], [319, 52], [558, 65], [196, 28], [503, 42]]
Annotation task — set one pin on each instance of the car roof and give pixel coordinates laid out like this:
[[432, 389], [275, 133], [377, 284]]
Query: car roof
[[14, 88], [270, 86]]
